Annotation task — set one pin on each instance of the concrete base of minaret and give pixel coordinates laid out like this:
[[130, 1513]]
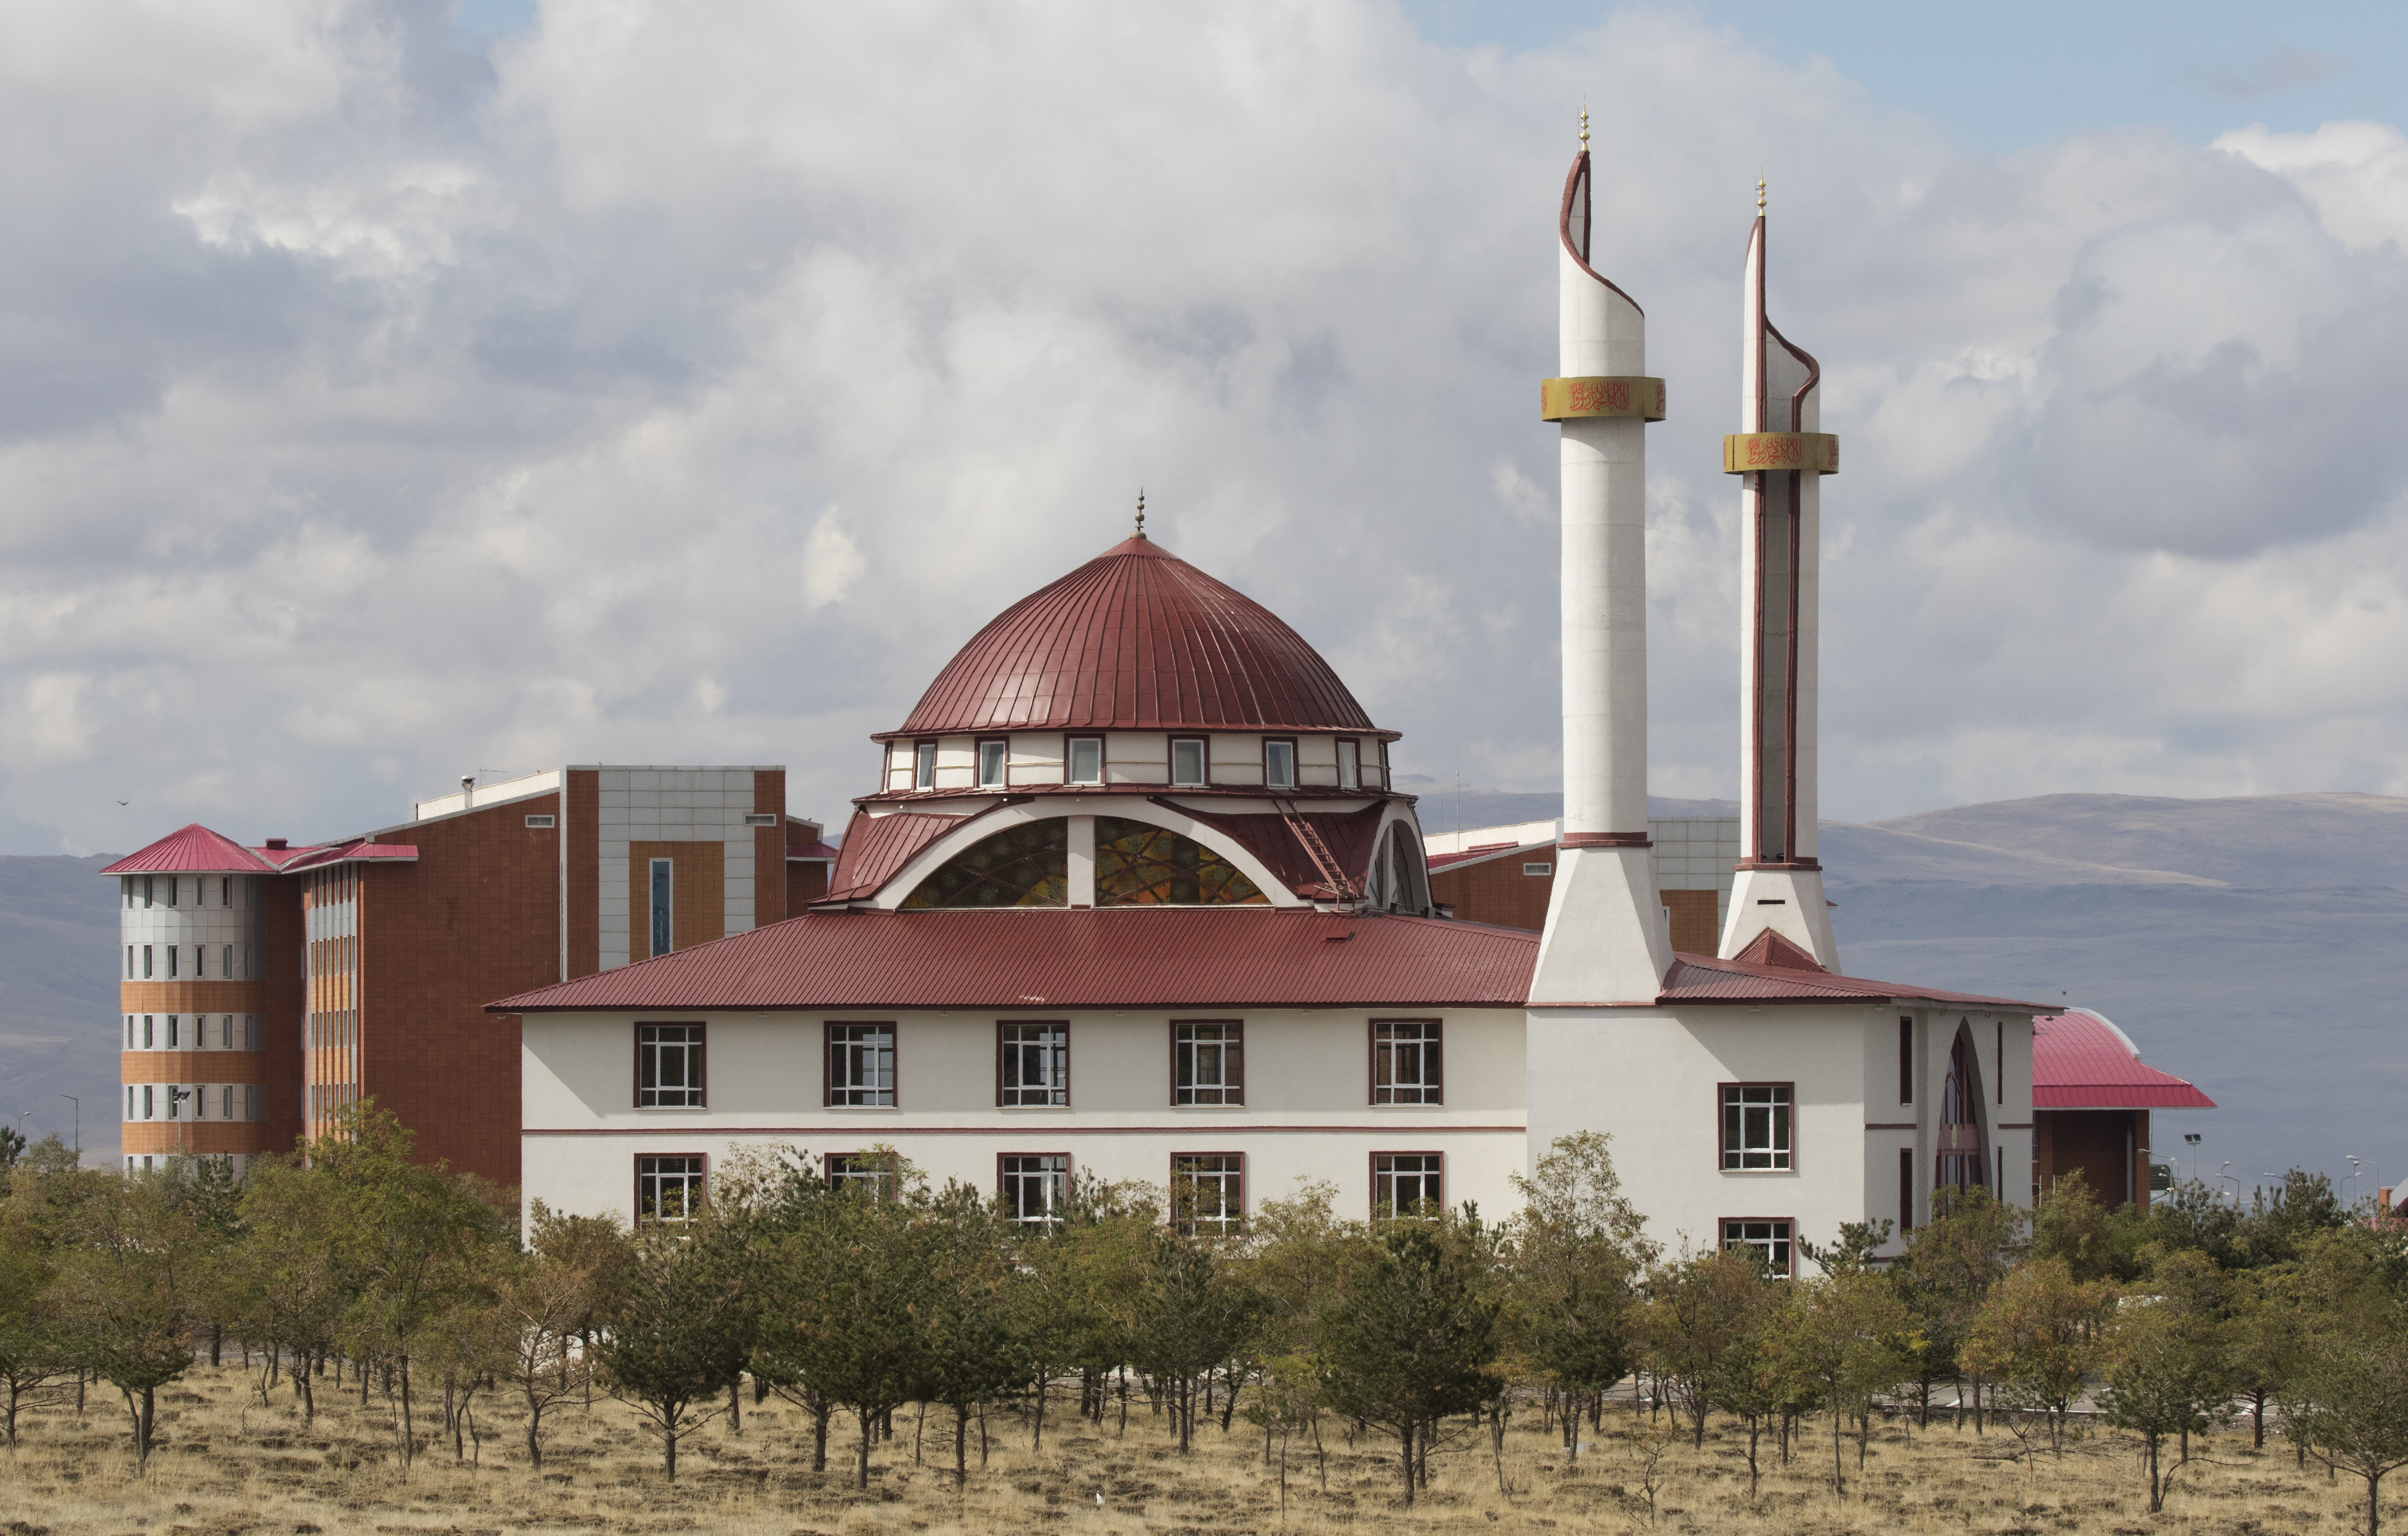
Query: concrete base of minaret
[[1606, 938], [1790, 904]]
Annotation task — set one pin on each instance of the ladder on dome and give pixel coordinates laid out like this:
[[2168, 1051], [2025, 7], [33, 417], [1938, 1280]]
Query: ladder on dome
[[1340, 886]]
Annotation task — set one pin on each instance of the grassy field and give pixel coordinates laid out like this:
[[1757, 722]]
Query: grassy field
[[225, 1464]]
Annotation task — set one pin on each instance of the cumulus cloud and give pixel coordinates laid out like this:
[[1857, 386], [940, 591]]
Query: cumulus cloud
[[378, 403]]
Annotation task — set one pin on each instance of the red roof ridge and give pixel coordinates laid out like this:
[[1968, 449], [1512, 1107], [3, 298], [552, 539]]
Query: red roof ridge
[[1768, 948], [187, 850]]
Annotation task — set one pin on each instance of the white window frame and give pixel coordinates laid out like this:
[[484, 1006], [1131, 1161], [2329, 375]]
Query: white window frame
[[1046, 1175], [860, 1066], [691, 1182], [1225, 1178], [1071, 774], [1758, 1127], [1407, 1061], [657, 1047], [923, 764], [1428, 1176], [1208, 1062], [1776, 1242], [1024, 1044], [1349, 762], [1201, 774], [1275, 748], [1001, 751]]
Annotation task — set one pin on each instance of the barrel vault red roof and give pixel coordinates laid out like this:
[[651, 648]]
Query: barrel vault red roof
[[1136, 638], [187, 850], [2080, 1061]]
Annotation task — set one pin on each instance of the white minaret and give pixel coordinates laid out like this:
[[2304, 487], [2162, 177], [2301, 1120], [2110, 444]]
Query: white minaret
[[1781, 456], [1606, 939]]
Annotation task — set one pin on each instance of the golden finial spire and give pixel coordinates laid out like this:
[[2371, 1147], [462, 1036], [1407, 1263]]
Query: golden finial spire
[[1759, 194], [1140, 512], [1583, 127]]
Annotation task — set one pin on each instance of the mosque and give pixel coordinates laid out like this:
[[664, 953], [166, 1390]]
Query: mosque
[[1136, 897]]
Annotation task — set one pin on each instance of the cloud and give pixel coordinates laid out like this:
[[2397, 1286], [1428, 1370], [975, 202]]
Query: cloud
[[2279, 67], [373, 406]]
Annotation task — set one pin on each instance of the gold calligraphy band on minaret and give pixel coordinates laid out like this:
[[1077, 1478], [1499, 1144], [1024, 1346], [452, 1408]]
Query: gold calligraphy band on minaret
[[1574, 399], [1752, 453]]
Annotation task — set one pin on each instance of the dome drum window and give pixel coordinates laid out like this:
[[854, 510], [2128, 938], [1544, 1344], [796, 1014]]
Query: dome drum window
[[1188, 760], [993, 760], [1279, 762], [924, 765], [1350, 764], [1086, 757]]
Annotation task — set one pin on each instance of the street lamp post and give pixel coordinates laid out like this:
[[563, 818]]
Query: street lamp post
[[2190, 1140], [2352, 1183]]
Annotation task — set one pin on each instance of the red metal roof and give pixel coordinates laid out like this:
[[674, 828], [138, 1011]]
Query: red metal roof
[[357, 851], [1156, 957], [1482, 853], [1768, 948], [191, 849], [1135, 639], [1700, 978], [2080, 1061], [1272, 838], [877, 846], [804, 853]]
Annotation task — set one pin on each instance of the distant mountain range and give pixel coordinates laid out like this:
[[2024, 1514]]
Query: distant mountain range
[[2245, 943]]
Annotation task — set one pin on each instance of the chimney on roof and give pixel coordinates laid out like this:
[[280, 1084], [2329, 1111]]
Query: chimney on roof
[[275, 842], [468, 790]]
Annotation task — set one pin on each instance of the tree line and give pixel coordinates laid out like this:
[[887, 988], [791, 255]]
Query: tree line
[[350, 1268]]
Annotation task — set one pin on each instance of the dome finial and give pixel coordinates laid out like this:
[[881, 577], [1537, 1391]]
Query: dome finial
[[1583, 127], [1140, 512], [1759, 194]]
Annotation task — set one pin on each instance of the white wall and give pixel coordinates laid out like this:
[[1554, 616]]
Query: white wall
[[1307, 1112]]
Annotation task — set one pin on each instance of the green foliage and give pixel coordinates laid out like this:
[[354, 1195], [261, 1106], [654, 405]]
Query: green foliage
[[2347, 1401], [1574, 1252], [669, 1349]]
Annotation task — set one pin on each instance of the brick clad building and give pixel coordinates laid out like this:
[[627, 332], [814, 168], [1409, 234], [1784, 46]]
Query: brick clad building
[[266, 987]]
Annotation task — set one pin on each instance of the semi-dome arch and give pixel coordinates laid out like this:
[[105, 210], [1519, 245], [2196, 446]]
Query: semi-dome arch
[[1009, 867]]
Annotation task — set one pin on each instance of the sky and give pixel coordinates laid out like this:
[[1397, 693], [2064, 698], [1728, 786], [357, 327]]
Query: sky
[[394, 392]]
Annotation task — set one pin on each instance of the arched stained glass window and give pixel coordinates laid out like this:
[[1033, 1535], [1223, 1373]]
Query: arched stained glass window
[[1026, 866], [1138, 865]]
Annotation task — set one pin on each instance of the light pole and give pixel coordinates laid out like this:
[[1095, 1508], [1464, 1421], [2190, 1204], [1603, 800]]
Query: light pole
[[2222, 1177], [2352, 1183], [2190, 1140], [79, 1125]]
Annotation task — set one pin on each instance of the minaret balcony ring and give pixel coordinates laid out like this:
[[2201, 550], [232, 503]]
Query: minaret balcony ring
[[1753, 453], [1579, 400]]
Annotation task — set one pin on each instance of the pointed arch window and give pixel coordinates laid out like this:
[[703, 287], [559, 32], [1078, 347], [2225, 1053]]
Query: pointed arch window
[[1962, 1163], [1140, 865], [1025, 866]]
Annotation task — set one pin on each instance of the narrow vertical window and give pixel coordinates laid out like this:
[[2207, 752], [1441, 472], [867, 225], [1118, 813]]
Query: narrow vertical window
[[172, 884], [1033, 1066], [150, 1106], [173, 957], [129, 1101], [668, 1190], [172, 1021], [1208, 1192], [924, 765], [200, 960], [1278, 764], [1905, 1059], [225, 1102], [149, 889], [861, 1064], [225, 962], [668, 1066], [1350, 764], [1905, 1190], [129, 1031], [1208, 1062], [129, 962], [2000, 1057], [663, 879], [147, 1035], [246, 974], [1187, 761], [992, 756], [1756, 1129], [1086, 759], [226, 890], [1405, 1062], [1406, 1184], [1034, 1186]]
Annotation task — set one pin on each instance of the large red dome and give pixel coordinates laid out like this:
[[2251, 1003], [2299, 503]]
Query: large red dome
[[1135, 639]]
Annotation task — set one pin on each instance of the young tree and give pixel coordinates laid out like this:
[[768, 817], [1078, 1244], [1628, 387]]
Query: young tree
[[1697, 1307], [2165, 1378], [131, 1261], [548, 1297], [1574, 1252], [1192, 1316], [292, 1275], [33, 1353], [1408, 1340], [973, 1353], [1950, 1264], [2266, 1338], [666, 1349], [1845, 1336], [2036, 1335], [2348, 1402]]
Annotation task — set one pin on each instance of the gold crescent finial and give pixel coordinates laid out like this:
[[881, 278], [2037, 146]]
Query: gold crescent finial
[[1140, 512], [1583, 127]]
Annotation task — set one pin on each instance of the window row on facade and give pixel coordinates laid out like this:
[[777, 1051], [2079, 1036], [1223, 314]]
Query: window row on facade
[[1032, 1064], [192, 1032], [1207, 1189], [191, 1101], [1187, 762], [141, 890], [188, 962]]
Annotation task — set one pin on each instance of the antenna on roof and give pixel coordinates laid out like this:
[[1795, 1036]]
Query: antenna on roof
[[1140, 512]]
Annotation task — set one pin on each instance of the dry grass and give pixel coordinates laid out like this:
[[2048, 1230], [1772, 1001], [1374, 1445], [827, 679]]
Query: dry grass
[[226, 1465]]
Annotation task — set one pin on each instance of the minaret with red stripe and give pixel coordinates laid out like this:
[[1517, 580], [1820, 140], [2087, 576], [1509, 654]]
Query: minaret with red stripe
[[1781, 455]]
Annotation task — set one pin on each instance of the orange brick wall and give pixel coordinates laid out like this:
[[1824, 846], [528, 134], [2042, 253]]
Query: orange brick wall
[[805, 884], [1695, 929], [697, 895], [769, 851], [1497, 891], [476, 918]]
